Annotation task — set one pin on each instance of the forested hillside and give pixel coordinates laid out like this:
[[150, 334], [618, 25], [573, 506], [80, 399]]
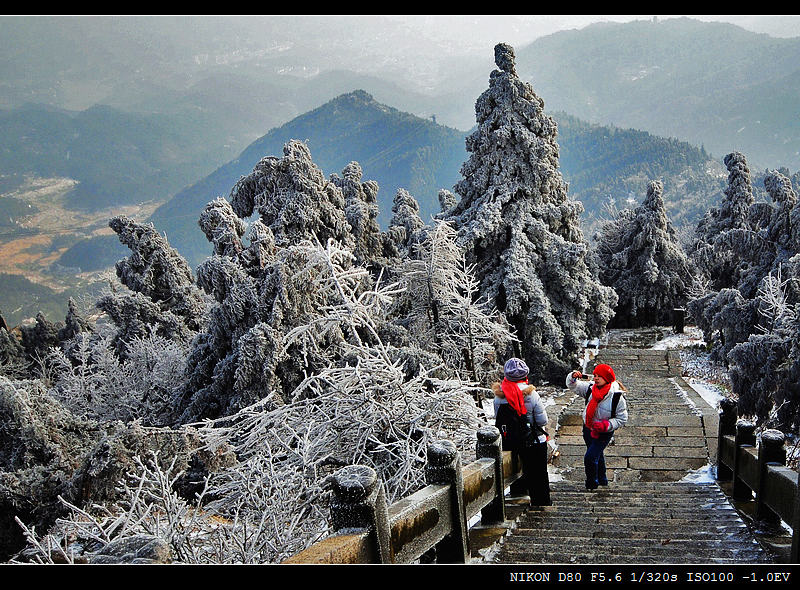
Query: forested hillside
[[711, 84], [117, 158], [399, 150]]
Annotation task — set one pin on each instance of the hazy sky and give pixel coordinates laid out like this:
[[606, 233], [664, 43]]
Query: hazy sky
[[476, 31]]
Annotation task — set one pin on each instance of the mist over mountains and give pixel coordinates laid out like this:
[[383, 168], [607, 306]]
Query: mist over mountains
[[712, 84], [170, 111]]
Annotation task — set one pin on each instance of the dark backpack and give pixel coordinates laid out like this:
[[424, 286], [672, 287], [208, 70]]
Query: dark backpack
[[516, 430]]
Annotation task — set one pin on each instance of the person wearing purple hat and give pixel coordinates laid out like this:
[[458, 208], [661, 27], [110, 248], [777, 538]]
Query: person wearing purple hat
[[520, 416]]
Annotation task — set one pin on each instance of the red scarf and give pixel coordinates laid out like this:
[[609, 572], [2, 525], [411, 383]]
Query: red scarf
[[514, 395], [598, 393]]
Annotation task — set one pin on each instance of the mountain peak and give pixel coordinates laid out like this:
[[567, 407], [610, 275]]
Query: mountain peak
[[356, 96]]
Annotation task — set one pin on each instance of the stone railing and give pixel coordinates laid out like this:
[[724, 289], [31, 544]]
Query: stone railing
[[758, 471], [437, 516]]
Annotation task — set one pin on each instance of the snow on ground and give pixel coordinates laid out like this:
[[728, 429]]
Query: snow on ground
[[708, 379], [691, 336], [706, 474], [712, 394], [685, 397]]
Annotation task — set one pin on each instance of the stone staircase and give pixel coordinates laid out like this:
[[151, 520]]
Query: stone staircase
[[666, 433], [636, 522], [646, 514]]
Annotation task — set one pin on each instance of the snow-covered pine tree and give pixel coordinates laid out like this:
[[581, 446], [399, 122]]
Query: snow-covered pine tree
[[361, 212], [406, 227], [266, 289], [522, 231], [764, 368], [644, 263], [162, 289], [714, 252], [752, 325], [12, 353]]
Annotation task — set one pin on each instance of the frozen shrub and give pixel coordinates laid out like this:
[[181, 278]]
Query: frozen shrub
[[446, 314], [94, 382]]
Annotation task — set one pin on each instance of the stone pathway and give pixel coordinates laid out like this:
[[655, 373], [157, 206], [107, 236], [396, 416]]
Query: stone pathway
[[647, 514], [666, 434]]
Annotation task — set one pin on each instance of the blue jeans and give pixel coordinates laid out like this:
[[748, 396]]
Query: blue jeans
[[593, 461]]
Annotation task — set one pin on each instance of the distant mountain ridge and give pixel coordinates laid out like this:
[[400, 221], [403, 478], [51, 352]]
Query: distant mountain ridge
[[396, 149], [399, 150], [117, 157], [711, 84]]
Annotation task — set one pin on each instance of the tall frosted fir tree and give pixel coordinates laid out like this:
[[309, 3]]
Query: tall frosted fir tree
[[644, 263], [522, 231]]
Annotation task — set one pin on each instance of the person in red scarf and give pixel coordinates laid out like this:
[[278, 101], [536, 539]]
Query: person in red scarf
[[601, 417], [518, 411]]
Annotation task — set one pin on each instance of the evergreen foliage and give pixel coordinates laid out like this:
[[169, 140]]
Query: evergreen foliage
[[751, 323], [521, 230], [641, 259]]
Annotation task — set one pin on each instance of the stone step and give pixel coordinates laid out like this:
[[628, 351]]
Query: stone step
[[596, 521], [645, 489], [626, 439], [638, 451], [616, 545], [635, 433], [667, 556], [719, 534], [673, 502]]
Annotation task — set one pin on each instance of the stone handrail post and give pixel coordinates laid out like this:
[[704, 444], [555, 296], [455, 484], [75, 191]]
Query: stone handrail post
[[490, 447], [770, 452], [678, 319], [745, 437], [359, 501], [727, 427], [444, 467]]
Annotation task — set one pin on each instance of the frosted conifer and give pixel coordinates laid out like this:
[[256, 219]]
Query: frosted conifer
[[163, 292], [520, 228], [12, 353], [753, 325], [267, 289], [293, 198], [222, 227], [645, 264], [361, 212], [447, 200], [714, 252], [406, 226]]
